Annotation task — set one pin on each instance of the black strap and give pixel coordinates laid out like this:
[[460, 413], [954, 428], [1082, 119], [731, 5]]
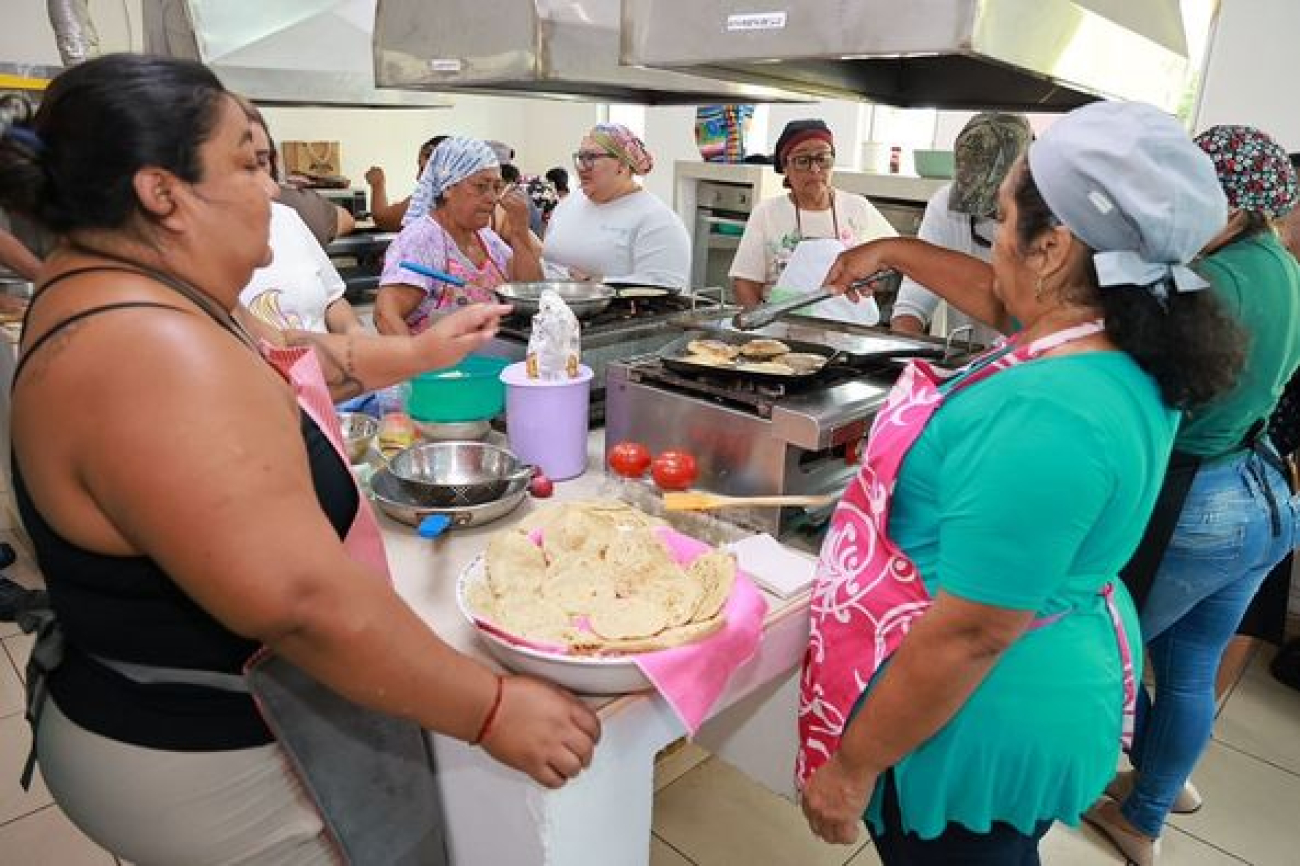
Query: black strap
[[1140, 572], [222, 318], [76, 317]]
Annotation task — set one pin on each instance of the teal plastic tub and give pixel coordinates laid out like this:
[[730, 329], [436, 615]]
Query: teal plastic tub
[[470, 391]]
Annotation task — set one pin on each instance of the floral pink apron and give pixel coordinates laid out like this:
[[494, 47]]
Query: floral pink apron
[[478, 288], [867, 593]]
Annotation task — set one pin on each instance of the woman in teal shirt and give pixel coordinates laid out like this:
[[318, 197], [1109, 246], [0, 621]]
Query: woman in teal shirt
[[1024, 494]]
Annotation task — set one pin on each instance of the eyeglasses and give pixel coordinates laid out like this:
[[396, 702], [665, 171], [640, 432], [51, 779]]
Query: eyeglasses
[[805, 161], [587, 158], [483, 188]]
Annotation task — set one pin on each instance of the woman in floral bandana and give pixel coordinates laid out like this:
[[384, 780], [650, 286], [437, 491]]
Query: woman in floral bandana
[[1225, 523], [610, 228]]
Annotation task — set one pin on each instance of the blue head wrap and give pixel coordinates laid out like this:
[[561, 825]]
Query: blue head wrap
[[453, 160]]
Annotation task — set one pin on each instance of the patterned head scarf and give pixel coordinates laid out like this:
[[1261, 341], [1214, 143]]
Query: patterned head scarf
[[619, 141], [1253, 169], [453, 160], [987, 146]]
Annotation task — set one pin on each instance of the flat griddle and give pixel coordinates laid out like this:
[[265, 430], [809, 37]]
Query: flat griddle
[[673, 357]]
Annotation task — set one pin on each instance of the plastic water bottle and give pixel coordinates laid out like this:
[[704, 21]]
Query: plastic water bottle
[[393, 398]]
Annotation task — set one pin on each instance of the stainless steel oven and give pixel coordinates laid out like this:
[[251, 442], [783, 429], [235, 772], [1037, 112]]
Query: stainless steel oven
[[721, 210]]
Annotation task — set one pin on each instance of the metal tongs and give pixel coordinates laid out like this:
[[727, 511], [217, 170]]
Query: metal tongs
[[765, 314]]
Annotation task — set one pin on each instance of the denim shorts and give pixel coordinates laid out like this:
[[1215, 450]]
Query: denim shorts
[[1238, 521]]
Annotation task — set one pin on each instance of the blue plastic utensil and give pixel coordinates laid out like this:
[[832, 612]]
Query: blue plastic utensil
[[433, 526], [441, 276]]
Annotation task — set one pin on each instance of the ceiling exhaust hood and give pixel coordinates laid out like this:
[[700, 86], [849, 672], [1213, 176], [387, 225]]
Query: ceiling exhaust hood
[[1016, 55], [551, 48], [280, 52]]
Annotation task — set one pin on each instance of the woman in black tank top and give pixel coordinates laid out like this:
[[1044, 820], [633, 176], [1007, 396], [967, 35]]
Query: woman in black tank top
[[184, 510]]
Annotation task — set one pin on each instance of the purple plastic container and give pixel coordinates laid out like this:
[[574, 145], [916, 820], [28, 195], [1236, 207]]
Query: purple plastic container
[[546, 421]]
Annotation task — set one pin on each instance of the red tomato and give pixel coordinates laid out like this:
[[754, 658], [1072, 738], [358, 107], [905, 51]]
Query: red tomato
[[629, 459], [674, 470], [541, 486]]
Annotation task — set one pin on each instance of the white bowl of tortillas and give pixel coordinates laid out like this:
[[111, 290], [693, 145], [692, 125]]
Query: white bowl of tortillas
[[608, 584]]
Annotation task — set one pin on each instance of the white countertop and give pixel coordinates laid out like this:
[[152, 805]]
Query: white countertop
[[497, 815]]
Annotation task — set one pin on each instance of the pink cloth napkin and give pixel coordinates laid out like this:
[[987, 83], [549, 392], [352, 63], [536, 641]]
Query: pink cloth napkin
[[692, 677]]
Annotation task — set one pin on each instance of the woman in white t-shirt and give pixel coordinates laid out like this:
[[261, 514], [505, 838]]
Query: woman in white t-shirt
[[300, 290], [811, 210], [610, 228]]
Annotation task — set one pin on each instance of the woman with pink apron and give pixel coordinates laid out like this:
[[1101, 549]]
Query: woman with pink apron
[[449, 229], [970, 674]]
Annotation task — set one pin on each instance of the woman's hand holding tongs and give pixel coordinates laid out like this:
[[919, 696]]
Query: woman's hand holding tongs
[[854, 271]]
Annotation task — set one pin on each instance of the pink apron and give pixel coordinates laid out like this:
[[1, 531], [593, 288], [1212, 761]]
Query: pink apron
[[371, 776], [302, 371], [867, 593], [478, 288]]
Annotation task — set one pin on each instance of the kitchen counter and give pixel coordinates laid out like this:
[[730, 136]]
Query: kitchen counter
[[497, 815], [766, 183]]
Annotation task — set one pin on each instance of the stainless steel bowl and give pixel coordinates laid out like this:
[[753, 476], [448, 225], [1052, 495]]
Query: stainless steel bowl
[[392, 499], [442, 431], [585, 299], [359, 432], [456, 474]]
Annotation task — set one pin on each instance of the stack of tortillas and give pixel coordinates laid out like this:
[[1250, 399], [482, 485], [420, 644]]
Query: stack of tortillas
[[600, 582]]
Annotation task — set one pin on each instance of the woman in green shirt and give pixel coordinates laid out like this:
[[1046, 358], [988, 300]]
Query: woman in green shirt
[[1237, 517], [1007, 512]]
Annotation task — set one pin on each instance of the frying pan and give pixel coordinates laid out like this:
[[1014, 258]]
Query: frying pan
[[584, 299], [636, 291], [673, 357]]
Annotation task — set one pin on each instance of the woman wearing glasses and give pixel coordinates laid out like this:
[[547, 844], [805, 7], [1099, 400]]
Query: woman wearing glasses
[[812, 210], [448, 229], [610, 228]]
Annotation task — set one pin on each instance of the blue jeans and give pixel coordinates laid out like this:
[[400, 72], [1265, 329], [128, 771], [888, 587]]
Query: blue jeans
[[1239, 520]]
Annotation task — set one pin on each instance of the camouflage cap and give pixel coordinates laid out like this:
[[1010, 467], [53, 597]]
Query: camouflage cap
[[987, 146]]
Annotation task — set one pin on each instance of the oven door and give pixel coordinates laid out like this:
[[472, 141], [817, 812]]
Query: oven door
[[717, 236]]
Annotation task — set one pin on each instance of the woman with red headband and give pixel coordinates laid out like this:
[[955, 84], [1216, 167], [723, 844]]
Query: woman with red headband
[[811, 210]]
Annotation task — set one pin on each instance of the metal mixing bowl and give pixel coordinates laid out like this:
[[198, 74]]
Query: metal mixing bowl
[[446, 474], [359, 432], [585, 299], [392, 499]]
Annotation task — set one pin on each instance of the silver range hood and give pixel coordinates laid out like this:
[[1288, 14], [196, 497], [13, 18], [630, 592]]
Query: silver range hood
[[280, 52], [1016, 55], [549, 48]]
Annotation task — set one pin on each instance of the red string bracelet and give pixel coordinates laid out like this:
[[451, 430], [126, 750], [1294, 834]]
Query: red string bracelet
[[491, 716]]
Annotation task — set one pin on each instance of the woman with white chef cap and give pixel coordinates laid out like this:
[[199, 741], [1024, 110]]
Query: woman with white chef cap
[[973, 662]]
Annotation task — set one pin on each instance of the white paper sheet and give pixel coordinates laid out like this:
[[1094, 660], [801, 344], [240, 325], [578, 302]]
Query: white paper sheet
[[806, 272], [775, 567]]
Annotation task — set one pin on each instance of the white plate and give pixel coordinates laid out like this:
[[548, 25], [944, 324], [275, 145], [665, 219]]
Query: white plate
[[588, 675]]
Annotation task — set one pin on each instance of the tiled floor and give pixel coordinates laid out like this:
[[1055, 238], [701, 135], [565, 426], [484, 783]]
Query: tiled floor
[[709, 814]]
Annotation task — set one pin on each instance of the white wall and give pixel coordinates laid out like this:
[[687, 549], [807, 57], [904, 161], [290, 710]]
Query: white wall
[[27, 36], [1253, 67]]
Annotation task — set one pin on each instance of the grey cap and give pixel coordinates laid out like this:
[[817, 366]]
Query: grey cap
[[1128, 181]]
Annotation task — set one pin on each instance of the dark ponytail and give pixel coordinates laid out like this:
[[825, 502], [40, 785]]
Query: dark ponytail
[[1185, 341], [72, 166]]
